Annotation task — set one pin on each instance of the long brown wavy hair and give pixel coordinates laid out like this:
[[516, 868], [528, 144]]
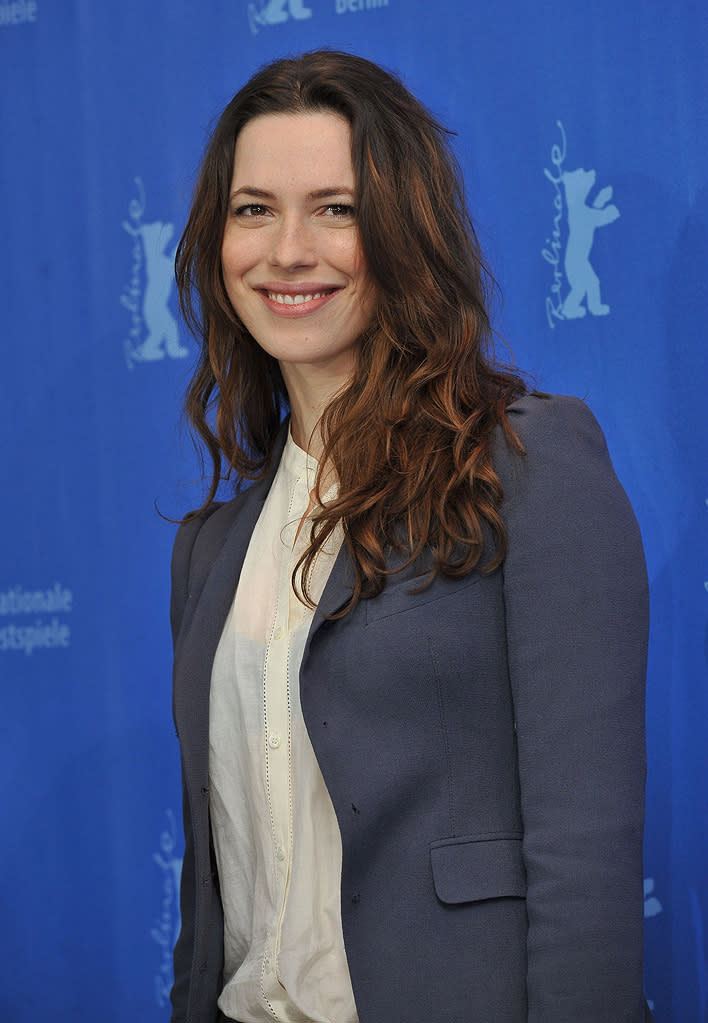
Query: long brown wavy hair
[[409, 436]]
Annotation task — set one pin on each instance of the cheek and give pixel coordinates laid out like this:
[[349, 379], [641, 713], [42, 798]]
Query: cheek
[[236, 257], [341, 249]]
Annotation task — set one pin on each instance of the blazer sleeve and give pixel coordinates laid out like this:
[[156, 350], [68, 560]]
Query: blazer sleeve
[[576, 606]]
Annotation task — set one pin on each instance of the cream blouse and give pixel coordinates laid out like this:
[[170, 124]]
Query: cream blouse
[[276, 837]]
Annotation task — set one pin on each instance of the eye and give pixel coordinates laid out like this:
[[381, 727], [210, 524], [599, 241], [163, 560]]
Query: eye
[[340, 210], [252, 209]]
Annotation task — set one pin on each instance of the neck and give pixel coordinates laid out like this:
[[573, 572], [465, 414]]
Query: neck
[[310, 390]]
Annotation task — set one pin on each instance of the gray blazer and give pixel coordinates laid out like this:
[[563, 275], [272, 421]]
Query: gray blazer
[[483, 745]]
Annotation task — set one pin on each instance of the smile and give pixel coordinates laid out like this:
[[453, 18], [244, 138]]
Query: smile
[[297, 302], [295, 299]]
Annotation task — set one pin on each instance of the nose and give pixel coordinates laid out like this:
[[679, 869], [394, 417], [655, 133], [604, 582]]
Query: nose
[[293, 243]]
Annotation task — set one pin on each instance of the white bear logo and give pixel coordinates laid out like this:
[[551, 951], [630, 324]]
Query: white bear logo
[[570, 255], [148, 293], [159, 271], [582, 223], [273, 12]]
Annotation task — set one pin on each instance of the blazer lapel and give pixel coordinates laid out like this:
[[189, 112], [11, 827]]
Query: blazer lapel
[[213, 582], [337, 592], [208, 607]]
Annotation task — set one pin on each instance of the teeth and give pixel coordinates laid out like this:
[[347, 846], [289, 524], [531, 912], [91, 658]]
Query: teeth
[[293, 299]]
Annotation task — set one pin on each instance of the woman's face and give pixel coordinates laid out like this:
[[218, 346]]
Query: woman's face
[[291, 255]]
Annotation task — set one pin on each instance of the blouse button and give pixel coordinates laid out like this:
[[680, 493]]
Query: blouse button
[[278, 634], [274, 740]]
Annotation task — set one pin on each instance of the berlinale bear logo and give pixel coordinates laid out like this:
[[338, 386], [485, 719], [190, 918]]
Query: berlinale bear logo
[[273, 12], [572, 247], [153, 331]]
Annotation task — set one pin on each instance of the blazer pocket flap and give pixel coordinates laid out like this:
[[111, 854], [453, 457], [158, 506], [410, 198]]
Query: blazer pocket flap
[[472, 869]]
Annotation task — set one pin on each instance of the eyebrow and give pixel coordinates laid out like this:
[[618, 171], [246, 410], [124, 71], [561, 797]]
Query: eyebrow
[[319, 193]]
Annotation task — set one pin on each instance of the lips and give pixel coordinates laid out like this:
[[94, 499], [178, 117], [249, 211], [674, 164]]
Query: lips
[[298, 300], [288, 299]]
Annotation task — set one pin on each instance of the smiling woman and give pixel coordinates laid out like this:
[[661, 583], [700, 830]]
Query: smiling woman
[[292, 259], [409, 659]]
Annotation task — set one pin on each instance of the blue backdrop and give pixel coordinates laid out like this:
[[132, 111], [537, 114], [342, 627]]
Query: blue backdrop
[[582, 135]]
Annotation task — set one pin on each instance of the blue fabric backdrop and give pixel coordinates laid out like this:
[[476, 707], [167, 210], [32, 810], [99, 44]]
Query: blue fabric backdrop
[[582, 134]]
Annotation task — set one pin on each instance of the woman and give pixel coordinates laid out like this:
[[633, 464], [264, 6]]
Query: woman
[[409, 659]]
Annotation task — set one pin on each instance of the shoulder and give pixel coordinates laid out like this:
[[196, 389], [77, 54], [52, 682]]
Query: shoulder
[[561, 439], [203, 532], [562, 491], [187, 534], [201, 535], [551, 421]]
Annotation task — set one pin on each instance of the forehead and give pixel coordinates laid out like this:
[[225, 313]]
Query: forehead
[[273, 149]]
